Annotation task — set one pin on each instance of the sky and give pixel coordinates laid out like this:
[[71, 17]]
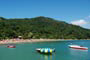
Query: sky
[[75, 12]]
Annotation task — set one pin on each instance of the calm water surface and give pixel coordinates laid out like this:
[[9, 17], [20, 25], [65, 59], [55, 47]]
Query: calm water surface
[[26, 51]]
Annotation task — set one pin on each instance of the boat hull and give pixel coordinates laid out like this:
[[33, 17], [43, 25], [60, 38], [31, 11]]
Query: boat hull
[[11, 46], [78, 47]]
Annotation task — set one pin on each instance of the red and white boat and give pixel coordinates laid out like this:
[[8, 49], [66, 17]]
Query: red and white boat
[[11, 46], [78, 47]]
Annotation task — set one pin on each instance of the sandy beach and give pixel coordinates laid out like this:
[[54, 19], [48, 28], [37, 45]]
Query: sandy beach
[[25, 40], [33, 40]]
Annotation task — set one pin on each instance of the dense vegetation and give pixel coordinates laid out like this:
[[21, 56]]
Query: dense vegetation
[[40, 27]]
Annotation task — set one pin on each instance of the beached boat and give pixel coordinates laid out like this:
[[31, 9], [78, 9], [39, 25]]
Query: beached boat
[[45, 50], [78, 47], [11, 46]]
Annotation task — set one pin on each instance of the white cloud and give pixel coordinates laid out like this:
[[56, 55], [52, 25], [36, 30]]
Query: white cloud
[[88, 17], [79, 22], [85, 22]]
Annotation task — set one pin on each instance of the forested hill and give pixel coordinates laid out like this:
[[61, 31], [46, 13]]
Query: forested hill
[[40, 27]]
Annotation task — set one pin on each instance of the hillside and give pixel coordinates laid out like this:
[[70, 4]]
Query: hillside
[[40, 27]]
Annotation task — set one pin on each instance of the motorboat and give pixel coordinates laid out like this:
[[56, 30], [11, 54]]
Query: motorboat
[[11, 46], [78, 47], [45, 50]]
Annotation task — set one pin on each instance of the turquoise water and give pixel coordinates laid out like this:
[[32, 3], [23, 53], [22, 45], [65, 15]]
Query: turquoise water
[[26, 51]]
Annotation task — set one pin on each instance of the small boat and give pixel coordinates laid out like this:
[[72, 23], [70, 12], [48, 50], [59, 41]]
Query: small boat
[[45, 50], [11, 46], [78, 47]]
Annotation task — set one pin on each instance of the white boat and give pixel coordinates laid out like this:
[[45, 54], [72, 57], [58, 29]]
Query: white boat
[[78, 47]]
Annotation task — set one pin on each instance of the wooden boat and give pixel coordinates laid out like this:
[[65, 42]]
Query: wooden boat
[[78, 47], [45, 50]]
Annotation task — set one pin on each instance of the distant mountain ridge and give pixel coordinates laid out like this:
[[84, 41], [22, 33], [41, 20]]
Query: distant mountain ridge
[[40, 27]]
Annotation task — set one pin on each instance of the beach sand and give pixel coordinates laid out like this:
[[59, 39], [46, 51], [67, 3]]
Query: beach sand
[[7, 41]]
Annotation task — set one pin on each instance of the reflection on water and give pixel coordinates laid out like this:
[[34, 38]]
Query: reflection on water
[[79, 54], [47, 57]]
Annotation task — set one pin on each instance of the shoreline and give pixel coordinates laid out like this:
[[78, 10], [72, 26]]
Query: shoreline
[[12, 41]]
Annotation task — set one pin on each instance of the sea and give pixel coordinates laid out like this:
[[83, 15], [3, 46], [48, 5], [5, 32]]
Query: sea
[[27, 51]]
